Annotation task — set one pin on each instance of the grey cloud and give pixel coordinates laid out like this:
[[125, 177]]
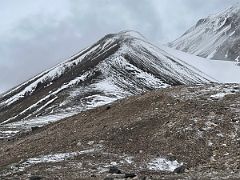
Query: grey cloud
[[105, 17], [41, 39], [29, 57]]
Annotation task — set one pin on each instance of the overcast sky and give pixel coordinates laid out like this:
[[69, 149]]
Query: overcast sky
[[36, 35]]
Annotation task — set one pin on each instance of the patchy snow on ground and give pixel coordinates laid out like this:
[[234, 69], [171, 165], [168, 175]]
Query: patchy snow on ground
[[11, 129], [225, 91], [39, 121], [99, 167], [219, 95], [129, 159], [50, 158], [162, 164]]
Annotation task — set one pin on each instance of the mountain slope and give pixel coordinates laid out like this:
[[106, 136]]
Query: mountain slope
[[150, 134], [220, 70], [116, 66], [214, 37]]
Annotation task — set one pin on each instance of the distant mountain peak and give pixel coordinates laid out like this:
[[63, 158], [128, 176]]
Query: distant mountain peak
[[233, 11], [234, 8], [216, 36]]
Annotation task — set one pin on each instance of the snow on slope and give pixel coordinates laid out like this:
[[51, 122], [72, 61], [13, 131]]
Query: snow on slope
[[163, 164], [214, 37], [117, 66], [221, 71]]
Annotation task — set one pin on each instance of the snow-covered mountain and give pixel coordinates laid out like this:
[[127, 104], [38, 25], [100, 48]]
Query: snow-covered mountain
[[116, 66], [220, 70], [214, 37]]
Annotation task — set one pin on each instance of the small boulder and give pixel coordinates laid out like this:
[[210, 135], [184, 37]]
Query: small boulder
[[130, 175], [108, 107], [34, 128], [109, 178], [93, 175], [90, 143], [180, 169], [35, 178], [114, 170], [79, 144]]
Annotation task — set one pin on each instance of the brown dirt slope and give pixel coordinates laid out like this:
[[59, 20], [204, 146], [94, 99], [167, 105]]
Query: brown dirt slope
[[197, 126]]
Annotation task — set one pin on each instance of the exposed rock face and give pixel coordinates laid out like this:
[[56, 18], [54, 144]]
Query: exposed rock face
[[214, 37]]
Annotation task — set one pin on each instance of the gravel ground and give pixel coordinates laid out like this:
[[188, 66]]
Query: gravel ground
[[184, 132]]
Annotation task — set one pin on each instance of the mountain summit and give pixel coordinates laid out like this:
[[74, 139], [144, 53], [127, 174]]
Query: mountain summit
[[214, 37], [116, 66]]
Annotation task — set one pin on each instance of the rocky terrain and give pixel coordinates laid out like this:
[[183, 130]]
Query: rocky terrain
[[184, 132], [215, 37], [126, 109]]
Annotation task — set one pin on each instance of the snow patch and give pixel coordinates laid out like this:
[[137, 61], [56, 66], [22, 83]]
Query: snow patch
[[39, 121], [162, 164], [220, 95], [51, 158]]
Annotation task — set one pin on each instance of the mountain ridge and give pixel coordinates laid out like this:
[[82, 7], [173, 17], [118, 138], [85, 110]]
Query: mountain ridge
[[117, 66]]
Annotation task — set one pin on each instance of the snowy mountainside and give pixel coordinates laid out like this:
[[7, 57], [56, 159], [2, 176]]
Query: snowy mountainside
[[116, 66], [220, 70], [214, 37]]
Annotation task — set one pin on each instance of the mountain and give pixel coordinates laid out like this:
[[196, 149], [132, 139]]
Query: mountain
[[117, 66], [215, 37]]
